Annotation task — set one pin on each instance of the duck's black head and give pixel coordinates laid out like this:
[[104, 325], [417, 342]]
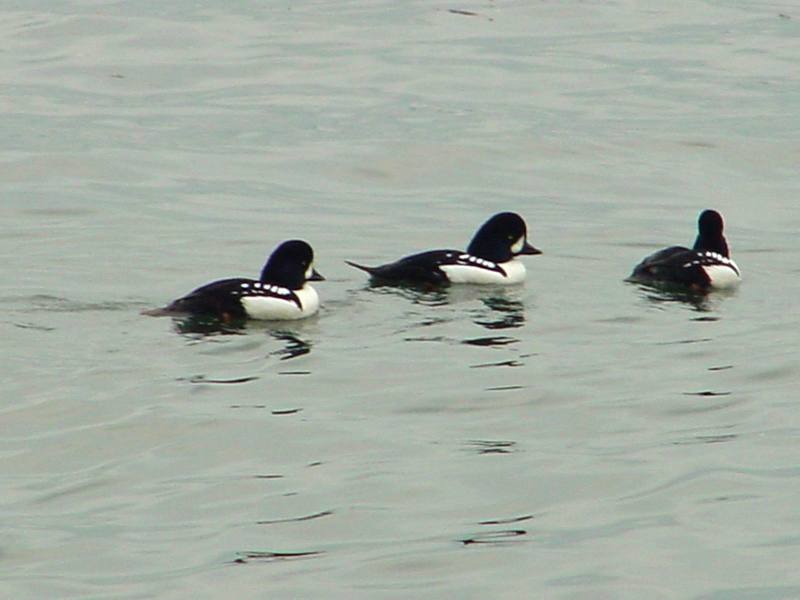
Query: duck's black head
[[501, 238], [290, 265], [709, 236]]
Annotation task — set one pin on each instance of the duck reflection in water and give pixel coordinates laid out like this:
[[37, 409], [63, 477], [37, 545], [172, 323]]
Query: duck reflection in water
[[293, 345], [427, 295], [202, 326], [198, 327], [502, 313], [665, 294], [498, 309], [498, 312]]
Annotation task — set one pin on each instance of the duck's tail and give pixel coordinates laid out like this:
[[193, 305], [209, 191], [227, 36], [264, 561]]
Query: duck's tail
[[370, 270], [157, 312]]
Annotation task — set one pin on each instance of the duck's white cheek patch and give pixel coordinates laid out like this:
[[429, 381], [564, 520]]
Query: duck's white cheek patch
[[516, 247], [309, 270]]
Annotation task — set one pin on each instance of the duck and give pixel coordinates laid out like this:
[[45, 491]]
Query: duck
[[281, 292], [706, 266], [490, 258]]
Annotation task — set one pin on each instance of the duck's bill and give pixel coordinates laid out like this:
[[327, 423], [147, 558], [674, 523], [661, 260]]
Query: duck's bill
[[315, 276], [528, 249]]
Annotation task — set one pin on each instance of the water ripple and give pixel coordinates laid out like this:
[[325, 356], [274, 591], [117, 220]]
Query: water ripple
[[311, 517], [493, 446], [506, 521], [494, 537], [502, 363], [268, 557], [498, 340], [204, 379]]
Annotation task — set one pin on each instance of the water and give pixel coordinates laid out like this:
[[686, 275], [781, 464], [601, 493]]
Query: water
[[576, 437]]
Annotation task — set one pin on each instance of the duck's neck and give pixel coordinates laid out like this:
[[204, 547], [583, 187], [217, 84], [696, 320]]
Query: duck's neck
[[711, 244]]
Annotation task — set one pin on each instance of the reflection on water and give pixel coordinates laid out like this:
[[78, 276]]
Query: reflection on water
[[498, 310], [293, 345], [33, 326], [250, 556], [285, 411], [492, 446], [494, 537], [497, 340], [418, 294], [506, 521], [502, 363], [665, 292], [198, 327], [502, 313], [658, 294], [662, 293], [278, 412], [706, 439], [317, 515], [494, 309], [204, 379], [504, 388], [687, 341]]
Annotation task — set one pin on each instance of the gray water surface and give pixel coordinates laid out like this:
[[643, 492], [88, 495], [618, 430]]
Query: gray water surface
[[575, 437]]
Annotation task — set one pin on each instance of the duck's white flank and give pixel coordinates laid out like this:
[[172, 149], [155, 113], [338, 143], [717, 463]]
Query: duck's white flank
[[267, 308], [514, 269], [723, 276]]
